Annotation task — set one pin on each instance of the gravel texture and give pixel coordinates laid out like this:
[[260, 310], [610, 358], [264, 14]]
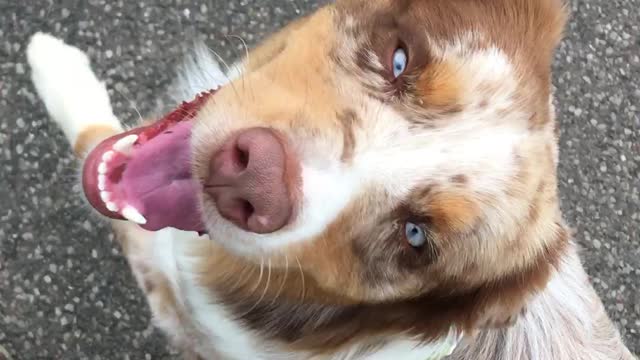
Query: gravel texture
[[67, 293]]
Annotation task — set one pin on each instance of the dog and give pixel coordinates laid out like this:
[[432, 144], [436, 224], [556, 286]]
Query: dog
[[375, 181]]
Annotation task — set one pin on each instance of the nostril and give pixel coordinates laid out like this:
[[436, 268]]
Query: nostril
[[238, 210], [239, 157], [247, 210], [243, 157]]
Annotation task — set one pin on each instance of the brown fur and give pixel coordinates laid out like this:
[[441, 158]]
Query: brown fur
[[440, 86], [87, 138], [349, 120]]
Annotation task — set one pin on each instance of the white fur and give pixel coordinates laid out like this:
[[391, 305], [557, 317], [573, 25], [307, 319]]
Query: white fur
[[199, 72], [73, 95], [172, 257]]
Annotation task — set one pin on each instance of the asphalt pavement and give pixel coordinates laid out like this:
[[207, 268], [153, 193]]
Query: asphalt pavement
[[65, 289]]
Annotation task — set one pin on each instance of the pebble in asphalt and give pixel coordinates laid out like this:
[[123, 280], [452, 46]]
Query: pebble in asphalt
[[65, 291]]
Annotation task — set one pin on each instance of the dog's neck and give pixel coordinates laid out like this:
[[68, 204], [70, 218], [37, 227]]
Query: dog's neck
[[566, 321]]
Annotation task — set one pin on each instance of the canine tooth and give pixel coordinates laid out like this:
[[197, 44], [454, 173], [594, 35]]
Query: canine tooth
[[106, 157], [111, 206], [132, 214], [105, 196], [125, 144], [102, 182], [102, 168]]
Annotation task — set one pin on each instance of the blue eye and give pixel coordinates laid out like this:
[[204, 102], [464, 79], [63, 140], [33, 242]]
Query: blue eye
[[415, 235], [399, 62]]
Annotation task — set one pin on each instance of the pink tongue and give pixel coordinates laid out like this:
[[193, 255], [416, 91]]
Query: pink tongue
[[157, 181], [149, 182]]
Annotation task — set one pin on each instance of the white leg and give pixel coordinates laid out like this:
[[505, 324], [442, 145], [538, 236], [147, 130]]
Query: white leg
[[75, 98]]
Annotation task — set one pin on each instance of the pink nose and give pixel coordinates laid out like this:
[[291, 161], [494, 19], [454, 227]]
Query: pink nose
[[249, 180]]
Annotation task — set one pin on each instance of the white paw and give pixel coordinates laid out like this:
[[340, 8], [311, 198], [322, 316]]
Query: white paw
[[63, 78]]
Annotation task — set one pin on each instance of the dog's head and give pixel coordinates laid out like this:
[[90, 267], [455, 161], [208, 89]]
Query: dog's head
[[391, 160]]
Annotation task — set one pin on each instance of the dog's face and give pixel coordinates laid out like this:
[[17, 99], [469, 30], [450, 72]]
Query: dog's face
[[419, 145], [392, 162]]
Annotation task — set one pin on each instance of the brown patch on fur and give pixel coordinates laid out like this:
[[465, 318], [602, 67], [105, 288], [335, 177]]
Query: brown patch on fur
[[537, 121], [334, 263], [348, 120], [535, 205], [279, 278], [91, 136], [515, 289], [452, 212], [298, 72], [163, 294], [440, 86], [460, 179], [385, 253], [148, 286]]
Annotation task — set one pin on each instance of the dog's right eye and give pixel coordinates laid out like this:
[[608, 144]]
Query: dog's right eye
[[399, 62], [415, 235]]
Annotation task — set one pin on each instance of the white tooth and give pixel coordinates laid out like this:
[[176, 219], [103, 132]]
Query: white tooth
[[102, 182], [132, 214], [111, 206], [105, 196], [125, 144], [102, 168], [106, 157]]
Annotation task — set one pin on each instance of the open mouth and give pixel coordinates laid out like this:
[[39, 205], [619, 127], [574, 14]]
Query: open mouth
[[144, 175]]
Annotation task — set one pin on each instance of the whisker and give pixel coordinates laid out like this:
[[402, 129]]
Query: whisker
[[226, 65], [246, 59], [259, 276], [132, 104], [264, 292], [302, 278], [284, 279], [244, 44]]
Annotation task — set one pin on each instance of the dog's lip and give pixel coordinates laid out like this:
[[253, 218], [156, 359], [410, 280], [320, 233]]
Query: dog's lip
[[144, 174], [90, 171]]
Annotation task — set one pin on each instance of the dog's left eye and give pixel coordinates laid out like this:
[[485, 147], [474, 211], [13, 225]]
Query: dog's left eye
[[399, 62], [415, 235]]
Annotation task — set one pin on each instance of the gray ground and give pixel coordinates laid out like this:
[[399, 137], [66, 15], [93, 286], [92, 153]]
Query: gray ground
[[65, 293]]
